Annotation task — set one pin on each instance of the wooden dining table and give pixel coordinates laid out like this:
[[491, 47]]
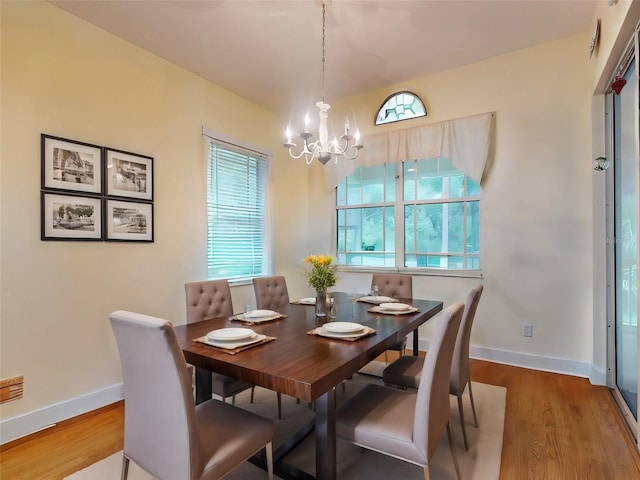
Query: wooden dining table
[[301, 365]]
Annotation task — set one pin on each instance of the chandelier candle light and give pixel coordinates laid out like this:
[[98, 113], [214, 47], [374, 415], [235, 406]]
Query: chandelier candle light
[[323, 148]]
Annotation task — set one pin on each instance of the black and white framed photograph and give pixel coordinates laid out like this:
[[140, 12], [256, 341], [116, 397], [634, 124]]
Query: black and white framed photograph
[[70, 217], [128, 221], [70, 165], [128, 175]]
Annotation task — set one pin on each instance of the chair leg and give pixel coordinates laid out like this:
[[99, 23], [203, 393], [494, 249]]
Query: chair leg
[[427, 473], [453, 452], [253, 389], [279, 405], [473, 405], [233, 399], [464, 430], [386, 357], [125, 467], [269, 451], [344, 386]]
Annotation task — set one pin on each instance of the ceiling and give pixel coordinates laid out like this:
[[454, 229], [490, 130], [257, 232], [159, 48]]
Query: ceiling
[[269, 51]]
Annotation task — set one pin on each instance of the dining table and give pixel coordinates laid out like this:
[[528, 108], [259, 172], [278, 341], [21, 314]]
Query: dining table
[[301, 364]]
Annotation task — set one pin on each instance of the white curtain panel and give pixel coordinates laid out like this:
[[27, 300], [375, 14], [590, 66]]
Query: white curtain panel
[[465, 142]]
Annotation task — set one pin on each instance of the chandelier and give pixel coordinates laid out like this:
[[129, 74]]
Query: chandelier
[[324, 149]]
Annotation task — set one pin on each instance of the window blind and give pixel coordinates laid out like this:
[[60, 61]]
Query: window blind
[[237, 246]]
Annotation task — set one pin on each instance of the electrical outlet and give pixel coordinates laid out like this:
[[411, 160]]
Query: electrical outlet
[[527, 330]]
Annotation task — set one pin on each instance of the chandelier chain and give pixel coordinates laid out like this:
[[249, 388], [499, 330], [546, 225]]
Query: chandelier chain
[[324, 8]]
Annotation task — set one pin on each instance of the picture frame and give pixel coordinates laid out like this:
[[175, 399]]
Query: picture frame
[[128, 175], [70, 165], [127, 221], [70, 217]]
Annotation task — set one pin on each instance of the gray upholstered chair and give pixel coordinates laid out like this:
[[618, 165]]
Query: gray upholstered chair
[[407, 370], [395, 285], [164, 432], [271, 292], [407, 424], [211, 299]]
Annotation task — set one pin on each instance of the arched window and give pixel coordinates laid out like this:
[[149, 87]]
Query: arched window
[[400, 106]]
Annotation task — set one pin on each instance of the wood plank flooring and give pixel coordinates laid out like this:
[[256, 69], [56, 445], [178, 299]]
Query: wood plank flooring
[[557, 427]]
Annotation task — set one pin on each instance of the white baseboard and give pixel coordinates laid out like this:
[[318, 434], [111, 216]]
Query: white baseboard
[[21, 425], [16, 427], [597, 376], [534, 362]]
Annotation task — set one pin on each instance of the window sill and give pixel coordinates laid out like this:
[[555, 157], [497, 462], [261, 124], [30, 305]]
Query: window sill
[[427, 272], [240, 282]]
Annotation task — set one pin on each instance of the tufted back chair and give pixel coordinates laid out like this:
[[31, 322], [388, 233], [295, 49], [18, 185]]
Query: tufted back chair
[[396, 285], [208, 299], [271, 292]]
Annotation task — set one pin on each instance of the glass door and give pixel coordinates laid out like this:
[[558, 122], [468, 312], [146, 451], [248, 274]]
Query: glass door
[[624, 207]]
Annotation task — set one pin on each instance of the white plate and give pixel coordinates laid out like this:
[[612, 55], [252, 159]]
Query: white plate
[[377, 299], [235, 344], [325, 333], [230, 334], [244, 318], [342, 327], [308, 301], [259, 314], [400, 307]]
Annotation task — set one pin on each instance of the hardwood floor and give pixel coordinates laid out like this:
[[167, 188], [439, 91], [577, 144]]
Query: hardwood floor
[[557, 427]]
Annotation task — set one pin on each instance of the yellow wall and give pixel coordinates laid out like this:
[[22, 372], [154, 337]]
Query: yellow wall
[[64, 77]]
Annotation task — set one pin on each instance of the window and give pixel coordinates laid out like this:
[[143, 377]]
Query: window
[[400, 106], [237, 247], [424, 216]]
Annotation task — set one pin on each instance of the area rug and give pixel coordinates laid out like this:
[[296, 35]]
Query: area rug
[[481, 462]]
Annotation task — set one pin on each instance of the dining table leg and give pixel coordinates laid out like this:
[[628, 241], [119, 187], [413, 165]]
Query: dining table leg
[[326, 436], [415, 342], [204, 385]]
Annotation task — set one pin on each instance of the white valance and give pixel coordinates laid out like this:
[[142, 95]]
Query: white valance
[[465, 142]]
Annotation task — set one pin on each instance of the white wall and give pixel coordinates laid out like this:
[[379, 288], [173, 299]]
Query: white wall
[[536, 201]]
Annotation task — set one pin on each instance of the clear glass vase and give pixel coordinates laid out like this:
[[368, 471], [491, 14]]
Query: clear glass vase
[[322, 304]]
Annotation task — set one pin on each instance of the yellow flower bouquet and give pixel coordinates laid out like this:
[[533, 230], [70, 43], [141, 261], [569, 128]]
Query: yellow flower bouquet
[[321, 273]]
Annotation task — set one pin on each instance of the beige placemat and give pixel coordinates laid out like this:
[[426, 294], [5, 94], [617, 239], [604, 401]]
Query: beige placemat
[[389, 312], [300, 302], [233, 351], [368, 331], [257, 321]]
